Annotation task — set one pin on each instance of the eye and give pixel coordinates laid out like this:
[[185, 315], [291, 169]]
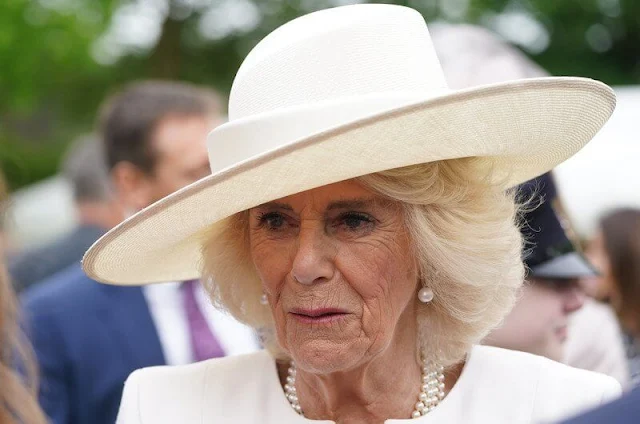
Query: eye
[[272, 221], [354, 222]]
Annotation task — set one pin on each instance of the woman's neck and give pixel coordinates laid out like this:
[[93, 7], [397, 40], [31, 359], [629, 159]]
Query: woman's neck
[[372, 393], [383, 386]]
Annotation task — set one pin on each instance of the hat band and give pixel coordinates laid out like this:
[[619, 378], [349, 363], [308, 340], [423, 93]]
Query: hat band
[[235, 142]]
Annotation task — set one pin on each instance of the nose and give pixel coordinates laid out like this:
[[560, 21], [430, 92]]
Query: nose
[[314, 257], [573, 298]]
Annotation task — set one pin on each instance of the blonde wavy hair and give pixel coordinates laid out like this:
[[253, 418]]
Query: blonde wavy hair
[[464, 232]]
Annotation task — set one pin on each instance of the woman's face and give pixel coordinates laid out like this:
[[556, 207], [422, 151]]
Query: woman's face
[[598, 287], [335, 263]]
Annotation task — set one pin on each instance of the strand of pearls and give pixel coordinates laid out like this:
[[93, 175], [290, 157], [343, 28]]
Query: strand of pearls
[[290, 389], [431, 391]]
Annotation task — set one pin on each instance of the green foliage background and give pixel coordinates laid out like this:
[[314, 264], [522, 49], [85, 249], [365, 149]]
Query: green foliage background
[[51, 85]]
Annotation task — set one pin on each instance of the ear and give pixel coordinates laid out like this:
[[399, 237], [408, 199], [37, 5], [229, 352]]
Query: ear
[[132, 185]]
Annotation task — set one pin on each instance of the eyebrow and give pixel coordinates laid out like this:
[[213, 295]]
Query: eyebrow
[[275, 205], [357, 203], [352, 204]]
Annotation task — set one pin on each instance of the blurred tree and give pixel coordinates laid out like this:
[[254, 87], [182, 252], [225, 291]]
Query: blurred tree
[[59, 58]]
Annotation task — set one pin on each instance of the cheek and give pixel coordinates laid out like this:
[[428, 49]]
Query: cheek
[[544, 311], [271, 264], [600, 262], [166, 181], [173, 178], [528, 315], [382, 277], [607, 277]]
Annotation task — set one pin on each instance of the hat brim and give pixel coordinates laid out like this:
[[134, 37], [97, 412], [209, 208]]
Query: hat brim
[[518, 129], [565, 267]]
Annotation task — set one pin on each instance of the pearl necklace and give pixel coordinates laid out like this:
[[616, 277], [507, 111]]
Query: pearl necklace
[[431, 392]]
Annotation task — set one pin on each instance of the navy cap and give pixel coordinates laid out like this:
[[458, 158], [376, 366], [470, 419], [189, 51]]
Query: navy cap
[[550, 253]]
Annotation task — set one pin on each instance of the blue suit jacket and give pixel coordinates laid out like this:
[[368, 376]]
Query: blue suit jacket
[[33, 266], [88, 338], [625, 410]]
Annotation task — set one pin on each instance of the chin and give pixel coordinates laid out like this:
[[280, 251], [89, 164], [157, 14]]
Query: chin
[[325, 357]]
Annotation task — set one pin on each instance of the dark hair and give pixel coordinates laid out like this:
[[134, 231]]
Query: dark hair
[[85, 167], [621, 233], [17, 391], [128, 118]]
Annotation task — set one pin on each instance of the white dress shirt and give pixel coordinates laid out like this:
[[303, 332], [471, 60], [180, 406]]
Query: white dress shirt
[[165, 303], [496, 386]]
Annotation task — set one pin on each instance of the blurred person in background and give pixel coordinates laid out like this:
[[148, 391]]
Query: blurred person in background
[[613, 239], [97, 209], [18, 404], [471, 56], [614, 294], [615, 250], [539, 321], [89, 337], [625, 410]]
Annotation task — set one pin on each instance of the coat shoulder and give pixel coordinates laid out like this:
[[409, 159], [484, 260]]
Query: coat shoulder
[[188, 393], [557, 390]]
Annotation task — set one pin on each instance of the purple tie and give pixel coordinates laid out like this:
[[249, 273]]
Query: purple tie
[[203, 342]]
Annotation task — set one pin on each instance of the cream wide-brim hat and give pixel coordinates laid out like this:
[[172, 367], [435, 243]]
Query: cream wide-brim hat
[[338, 94]]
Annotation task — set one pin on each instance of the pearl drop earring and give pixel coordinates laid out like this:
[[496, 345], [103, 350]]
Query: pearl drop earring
[[425, 295], [264, 300]]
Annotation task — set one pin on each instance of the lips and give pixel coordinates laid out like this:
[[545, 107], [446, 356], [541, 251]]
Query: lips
[[321, 315]]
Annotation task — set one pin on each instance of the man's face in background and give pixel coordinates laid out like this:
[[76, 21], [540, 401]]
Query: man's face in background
[[538, 322], [178, 146], [180, 149]]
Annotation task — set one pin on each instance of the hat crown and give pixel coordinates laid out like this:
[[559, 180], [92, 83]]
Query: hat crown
[[337, 53]]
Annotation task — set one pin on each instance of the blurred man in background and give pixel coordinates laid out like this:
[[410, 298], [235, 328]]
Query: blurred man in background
[[97, 210], [472, 56], [88, 336]]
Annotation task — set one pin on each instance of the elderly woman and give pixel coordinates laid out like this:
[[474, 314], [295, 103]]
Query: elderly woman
[[358, 216]]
